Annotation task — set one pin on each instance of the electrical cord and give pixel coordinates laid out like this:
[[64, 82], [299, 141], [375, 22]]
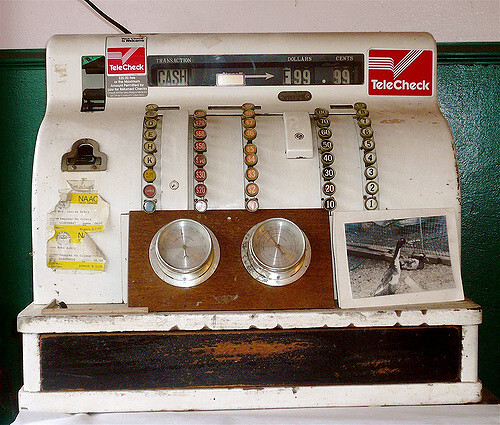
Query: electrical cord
[[108, 18]]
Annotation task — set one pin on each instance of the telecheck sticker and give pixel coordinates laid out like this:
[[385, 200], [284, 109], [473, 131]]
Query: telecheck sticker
[[400, 72], [126, 74]]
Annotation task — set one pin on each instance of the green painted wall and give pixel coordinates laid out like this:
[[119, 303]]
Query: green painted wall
[[22, 105], [469, 95]]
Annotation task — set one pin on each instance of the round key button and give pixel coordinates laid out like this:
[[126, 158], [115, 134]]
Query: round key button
[[368, 144], [371, 187], [200, 113], [321, 113], [371, 204], [329, 188], [371, 173], [326, 145], [200, 146], [199, 123], [252, 189], [149, 160], [200, 134], [329, 204], [248, 106], [149, 191], [324, 133], [149, 206], [252, 205], [150, 124], [249, 123], [366, 132], [149, 147], [323, 122], [200, 190], [150, 135], [250, 148], [200, 160], [369, 158], [362, 113], [248, 113], [327, 158], [250, 134], [149, 175], [359, 105], [151, 114], [152, 107], [364, 122], [251, 159], [328, 173], [251, 174], [201, 205], [200, 174]]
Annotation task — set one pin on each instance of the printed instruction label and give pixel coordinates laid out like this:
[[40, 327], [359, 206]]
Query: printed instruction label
[[80, 211], [74, 250], [126, 74]]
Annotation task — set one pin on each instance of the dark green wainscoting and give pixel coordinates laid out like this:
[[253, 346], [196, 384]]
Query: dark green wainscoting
[[469, 96], [22, 105]]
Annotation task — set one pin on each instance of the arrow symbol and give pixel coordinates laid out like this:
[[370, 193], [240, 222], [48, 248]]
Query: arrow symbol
[[265, 76]]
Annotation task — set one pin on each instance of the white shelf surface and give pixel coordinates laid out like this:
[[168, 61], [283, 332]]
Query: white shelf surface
[[31, 319], [483, 414]]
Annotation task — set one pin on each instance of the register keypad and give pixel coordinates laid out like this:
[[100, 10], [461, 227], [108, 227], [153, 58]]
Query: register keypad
[[150, 158], [249, 123], [200, 160], [368, 156], [325, 146]]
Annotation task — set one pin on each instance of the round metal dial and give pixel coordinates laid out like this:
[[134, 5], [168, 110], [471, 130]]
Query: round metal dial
[[184, 253], [276, 252]]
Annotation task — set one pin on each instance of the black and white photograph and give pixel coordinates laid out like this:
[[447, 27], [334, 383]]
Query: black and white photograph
[[391, 258]]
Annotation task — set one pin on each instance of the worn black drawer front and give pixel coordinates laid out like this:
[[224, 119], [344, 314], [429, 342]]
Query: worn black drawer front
[[151, 360]]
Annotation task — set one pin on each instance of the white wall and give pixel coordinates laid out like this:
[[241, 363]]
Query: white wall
[[29, 23]]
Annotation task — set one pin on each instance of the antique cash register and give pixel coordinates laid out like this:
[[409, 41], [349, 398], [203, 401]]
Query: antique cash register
[[185, 196]]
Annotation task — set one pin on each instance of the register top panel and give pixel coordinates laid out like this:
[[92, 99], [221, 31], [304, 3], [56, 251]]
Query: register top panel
[[256, 70]]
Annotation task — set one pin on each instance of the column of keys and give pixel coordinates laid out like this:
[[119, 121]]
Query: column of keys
[[200, 160], [369, 156], [151, 158], [322, 120], [250, 157]]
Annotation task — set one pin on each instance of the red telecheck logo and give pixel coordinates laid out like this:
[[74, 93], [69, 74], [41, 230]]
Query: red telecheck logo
[[400, 72], [126, 60]]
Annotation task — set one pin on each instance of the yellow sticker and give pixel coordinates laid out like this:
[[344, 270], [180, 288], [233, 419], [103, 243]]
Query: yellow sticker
[[79, 213], [84, 198], [72, 265], [63, 233], [80, 228]]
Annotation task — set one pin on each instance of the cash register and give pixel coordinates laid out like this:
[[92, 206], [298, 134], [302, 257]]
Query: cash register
[[184, 198]]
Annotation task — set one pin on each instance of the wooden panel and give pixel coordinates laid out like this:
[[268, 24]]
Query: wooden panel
[[231, 287], [155, 360]]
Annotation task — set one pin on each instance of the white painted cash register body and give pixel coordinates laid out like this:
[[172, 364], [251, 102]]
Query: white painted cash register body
[[416, 165]]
